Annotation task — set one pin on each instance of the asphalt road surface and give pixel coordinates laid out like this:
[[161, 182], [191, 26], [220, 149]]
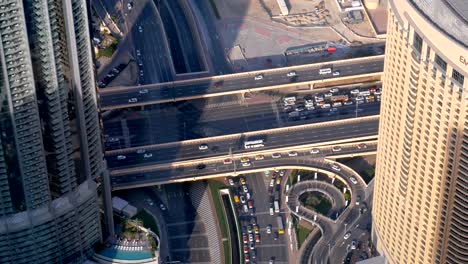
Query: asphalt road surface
[[154, 60], [185, 121], [167, 154], [170, 91], [157, 176]]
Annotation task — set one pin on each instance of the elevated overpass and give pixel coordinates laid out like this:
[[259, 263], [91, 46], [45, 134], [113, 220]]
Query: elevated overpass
[[351, 71], [215, 167], [147, 158]]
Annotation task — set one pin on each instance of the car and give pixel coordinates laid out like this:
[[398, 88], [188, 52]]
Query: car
[[247, 196], [227, 161], [252, 246], [272, 261], [278, 181], [244, 239], [276, 236], [140, 29], [328, 95], [288, 108], [353, 180], [354, 92], [129, 6], [242, 199], [246, 164], [291, 74], [138, 52], [133, 100], [201, 166], [259, 157], [253, 220], [334, 90], [251, 237], [218, 84], [141, 73], [247, 258], [292, 153], [272, 211], [257, 238], [256, 229], [121, 157], [244, 159], [336, 73], [362, 146], [315, 151], [353, 244], [242, 180], [272, 182], [147, 155], [246, 249], [336, 148], [358, 199], [336, 167], [348, 103], [325, 106], [140, 151], [245, 189], [363, 209], [258, 77], [281, 173], [144, 91], [347, 235], [203, 147], [333, 110], [231, 181], [276, 155], [254, 254], [268, 229]]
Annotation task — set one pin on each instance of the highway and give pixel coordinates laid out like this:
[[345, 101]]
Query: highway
[[320, 133], [165, 174], [200, 119], [121, 97]]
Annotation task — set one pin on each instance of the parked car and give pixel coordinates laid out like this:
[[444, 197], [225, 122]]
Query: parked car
[[353, 244], [246, 164], [268, 229], [242, 180], [242, 199], [245, 189], [231, 181]]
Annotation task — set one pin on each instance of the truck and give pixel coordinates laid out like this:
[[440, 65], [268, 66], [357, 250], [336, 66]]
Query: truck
[[277, 209], [279, 220], [339, 98]]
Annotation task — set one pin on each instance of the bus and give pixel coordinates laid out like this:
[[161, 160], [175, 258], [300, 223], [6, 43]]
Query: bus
[[258, 143], [280, 225], [277, 209]]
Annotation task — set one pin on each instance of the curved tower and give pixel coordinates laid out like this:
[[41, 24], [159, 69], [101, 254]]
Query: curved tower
[[50, 148], [420, 209]]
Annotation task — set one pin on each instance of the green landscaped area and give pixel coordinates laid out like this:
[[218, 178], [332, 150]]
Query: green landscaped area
[[316, 201], [108, 51], [302, 232], [147, 220], [221, 216]]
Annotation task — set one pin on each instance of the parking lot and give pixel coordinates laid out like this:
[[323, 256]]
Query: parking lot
[[263, 236]]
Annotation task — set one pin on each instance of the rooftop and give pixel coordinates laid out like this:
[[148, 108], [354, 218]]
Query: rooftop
[[450, 16]]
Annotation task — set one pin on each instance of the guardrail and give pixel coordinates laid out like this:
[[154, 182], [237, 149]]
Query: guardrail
[[252, 133]]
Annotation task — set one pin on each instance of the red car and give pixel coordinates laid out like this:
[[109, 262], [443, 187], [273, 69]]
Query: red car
[[257, 238], [244, 239], [246, 249], [362, 146], [250, 204], [247, 258]]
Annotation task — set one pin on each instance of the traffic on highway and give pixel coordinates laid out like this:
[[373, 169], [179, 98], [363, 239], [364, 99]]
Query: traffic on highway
[[149, 94]]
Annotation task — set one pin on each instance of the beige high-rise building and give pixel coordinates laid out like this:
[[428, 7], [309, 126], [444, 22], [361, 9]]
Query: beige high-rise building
[[420, 209]]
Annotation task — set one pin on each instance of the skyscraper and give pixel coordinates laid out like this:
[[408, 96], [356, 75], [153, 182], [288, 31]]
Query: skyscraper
[[50, 146], [420, 209]]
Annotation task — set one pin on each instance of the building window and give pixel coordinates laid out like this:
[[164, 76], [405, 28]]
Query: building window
[[458, 77], [417, 42], [428, 52], [442, 64]]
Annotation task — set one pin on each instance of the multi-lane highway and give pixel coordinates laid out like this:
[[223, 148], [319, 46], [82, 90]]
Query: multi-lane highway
[[126, 179], [121, 97], [195, 120], [313, 134]]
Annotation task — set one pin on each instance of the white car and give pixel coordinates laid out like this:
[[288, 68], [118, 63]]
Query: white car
[[203, 147], [347, 235], [140, 29], [353, 180], [336, 73], [334, 90], [147, 155], [327, 95], [242, 199], [245, 189], [272, 182], [163, 207], [291, 74], [315, 151], [138, 52], [259, 77], [276, 155], [355, 91], [129, 6], [336, 167], [348, 103], [231, 182], [121, 157], [353, 244], [133, 100], [144, 91], [292, 154], [336, 148], [246, 164]]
